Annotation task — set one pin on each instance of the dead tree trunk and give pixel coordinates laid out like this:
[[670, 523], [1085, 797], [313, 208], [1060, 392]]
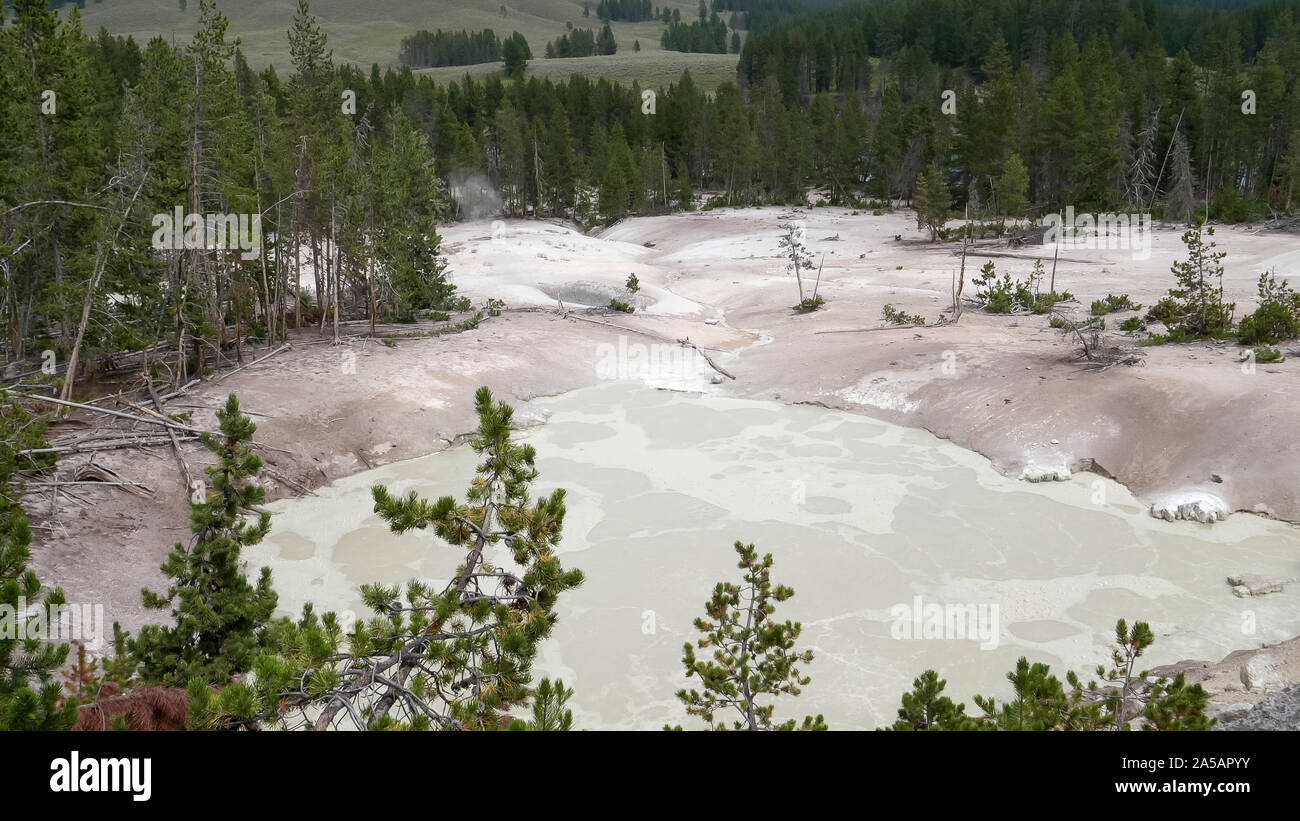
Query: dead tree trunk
[[102, 255], [336, 267]]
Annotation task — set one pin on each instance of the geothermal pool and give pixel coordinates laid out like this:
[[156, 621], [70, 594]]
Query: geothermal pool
[[864, 519]]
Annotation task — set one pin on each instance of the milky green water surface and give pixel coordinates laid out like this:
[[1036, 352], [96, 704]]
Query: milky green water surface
[[860, 516]]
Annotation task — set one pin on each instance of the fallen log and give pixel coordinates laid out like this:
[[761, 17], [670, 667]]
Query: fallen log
[[242, 410], [126, 485], [180, 391], [164, 422], [280, 477], [660, 337], [868, 330], [141, 408], [707, 358], [171, 434], [1010, 255], [286, 346], [134, 442], [619, 327]]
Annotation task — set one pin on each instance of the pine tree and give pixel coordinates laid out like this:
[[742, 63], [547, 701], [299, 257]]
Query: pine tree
[[730, 142], [889, 143], [29, 690], [558, 177], [684, 191], [822, 121], [511, 162], [1225, 127], [1000, 112], [1013, 188], [515, 56], [218, 170], [1129, 645], [850, 148], [456, 658], [550, 713], [1063, 126], [1099, 170], [1164, 704], [1184, 109], [1276, 112], [1287, 179], [320, 133], [613, 193], [754, 656], [931, 201], [408, 198], [974, 143], [621, 182], [82, 679], [159, 128], [1180, 201], [777, 144], [1199, 293], [52, 156], [622, 154], [926, 708], [1175, 705], [1041, 702], [605, 43], [218, 616], [791, 244]]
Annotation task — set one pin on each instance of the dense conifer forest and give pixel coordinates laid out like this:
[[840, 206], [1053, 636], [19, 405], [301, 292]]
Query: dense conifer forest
[[165, 202], [1118, 105], [426, 49]]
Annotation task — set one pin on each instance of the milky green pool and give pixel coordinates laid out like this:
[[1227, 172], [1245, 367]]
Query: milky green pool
[[862, 518]]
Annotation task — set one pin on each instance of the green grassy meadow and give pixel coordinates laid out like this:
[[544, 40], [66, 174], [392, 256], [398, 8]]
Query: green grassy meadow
[[370, 32]]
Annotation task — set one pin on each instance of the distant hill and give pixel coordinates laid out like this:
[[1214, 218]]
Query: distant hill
[[371, 32]]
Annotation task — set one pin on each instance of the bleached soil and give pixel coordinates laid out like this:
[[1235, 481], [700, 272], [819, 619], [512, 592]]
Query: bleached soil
[[1009, 387], [1189, 421]]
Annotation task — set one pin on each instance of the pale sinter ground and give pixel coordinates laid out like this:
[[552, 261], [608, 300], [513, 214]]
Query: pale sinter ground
[[1013, 387]]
